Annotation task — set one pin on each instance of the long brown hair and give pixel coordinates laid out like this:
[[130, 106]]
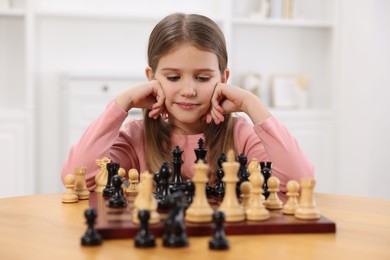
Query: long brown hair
[[204, 34]]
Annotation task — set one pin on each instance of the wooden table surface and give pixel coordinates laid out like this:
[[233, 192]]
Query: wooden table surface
[[41, 227]]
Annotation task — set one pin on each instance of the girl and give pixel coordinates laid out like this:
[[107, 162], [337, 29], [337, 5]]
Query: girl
[[186, 98]]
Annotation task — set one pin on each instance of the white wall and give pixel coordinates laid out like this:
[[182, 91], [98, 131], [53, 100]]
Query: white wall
[[362, 91], [364, 98]]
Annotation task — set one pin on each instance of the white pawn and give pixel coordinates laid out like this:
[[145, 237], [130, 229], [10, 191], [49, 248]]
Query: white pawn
[[307, 206], [80, 187], [69, 196], [200, 210], [122, 173], [256, 210], [292, 193], [133, 181], [273, 201]]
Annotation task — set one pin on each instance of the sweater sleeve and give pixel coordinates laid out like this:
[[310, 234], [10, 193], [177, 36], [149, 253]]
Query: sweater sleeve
[[101, 138], [273, 142]]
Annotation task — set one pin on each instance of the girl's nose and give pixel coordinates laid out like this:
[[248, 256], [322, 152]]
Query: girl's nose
[[188, 89]]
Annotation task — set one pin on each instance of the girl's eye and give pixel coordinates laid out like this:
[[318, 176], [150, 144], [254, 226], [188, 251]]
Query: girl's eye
[[202, 78], [173, 78]]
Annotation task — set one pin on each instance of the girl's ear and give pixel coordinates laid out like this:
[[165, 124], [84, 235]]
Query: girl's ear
[[225, 77], [149, 73]]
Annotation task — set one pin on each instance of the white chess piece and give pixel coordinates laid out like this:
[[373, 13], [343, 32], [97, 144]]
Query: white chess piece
[[145, 199], [80, 187], [256, 210], [307, 206], [234, 212], [200, 210], [273, 201], [292, 193], [133, 181], [69, 196]]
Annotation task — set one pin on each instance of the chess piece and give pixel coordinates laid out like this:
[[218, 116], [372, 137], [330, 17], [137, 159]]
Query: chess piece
[[243, 173], [133, 181], [256, 211], [292, 193], [190, 191], [69, 196], [230, 205], [200, 210], [163, 192], [117, 200], [177, 182], [80, 187], [253, 166], [266, 170], [219, 189], [307, 206], [245, 189], [200, 152], [143, 238], [91, 236], [219, 241], [145, 199], [273, 201], [175, 228], [112, 169], [102, 175]]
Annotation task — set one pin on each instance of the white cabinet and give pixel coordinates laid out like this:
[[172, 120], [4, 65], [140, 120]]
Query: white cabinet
[[16, 101]]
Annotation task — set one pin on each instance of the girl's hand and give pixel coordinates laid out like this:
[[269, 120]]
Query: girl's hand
[[228, 99], [147, 95]]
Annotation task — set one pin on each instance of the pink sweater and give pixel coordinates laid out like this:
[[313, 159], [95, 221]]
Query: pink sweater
[[269, 141]]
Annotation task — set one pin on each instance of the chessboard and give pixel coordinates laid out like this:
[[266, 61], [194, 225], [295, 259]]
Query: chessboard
[[115, 223]]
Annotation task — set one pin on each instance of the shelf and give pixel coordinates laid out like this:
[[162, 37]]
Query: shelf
[[283, 23], [137, 17], [12, 13]]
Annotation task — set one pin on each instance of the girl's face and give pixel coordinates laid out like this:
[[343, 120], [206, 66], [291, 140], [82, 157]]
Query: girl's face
[[188, 77]]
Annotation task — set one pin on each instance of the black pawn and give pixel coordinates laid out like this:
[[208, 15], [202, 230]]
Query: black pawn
[[175, 228], [91, 236], [117, 200], [200, 152], [143, 237], [219, 241]]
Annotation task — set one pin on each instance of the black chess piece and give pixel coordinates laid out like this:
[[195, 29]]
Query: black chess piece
[[243, 174], [200, 152], [175, 229], [112, 169], [219, 189], [164, 192], [117, 200], [177, 181], [189, 192], [266, 171], [219, 241], [91, 236], [143, 238], [157, 180]]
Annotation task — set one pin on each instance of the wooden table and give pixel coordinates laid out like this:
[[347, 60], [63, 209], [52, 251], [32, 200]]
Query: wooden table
[[41, 227]]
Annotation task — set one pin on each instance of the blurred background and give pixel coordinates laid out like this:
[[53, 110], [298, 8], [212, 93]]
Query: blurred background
[[322, 67]]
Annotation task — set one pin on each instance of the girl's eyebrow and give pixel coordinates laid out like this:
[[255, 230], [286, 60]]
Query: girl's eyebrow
[[197, 70]]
